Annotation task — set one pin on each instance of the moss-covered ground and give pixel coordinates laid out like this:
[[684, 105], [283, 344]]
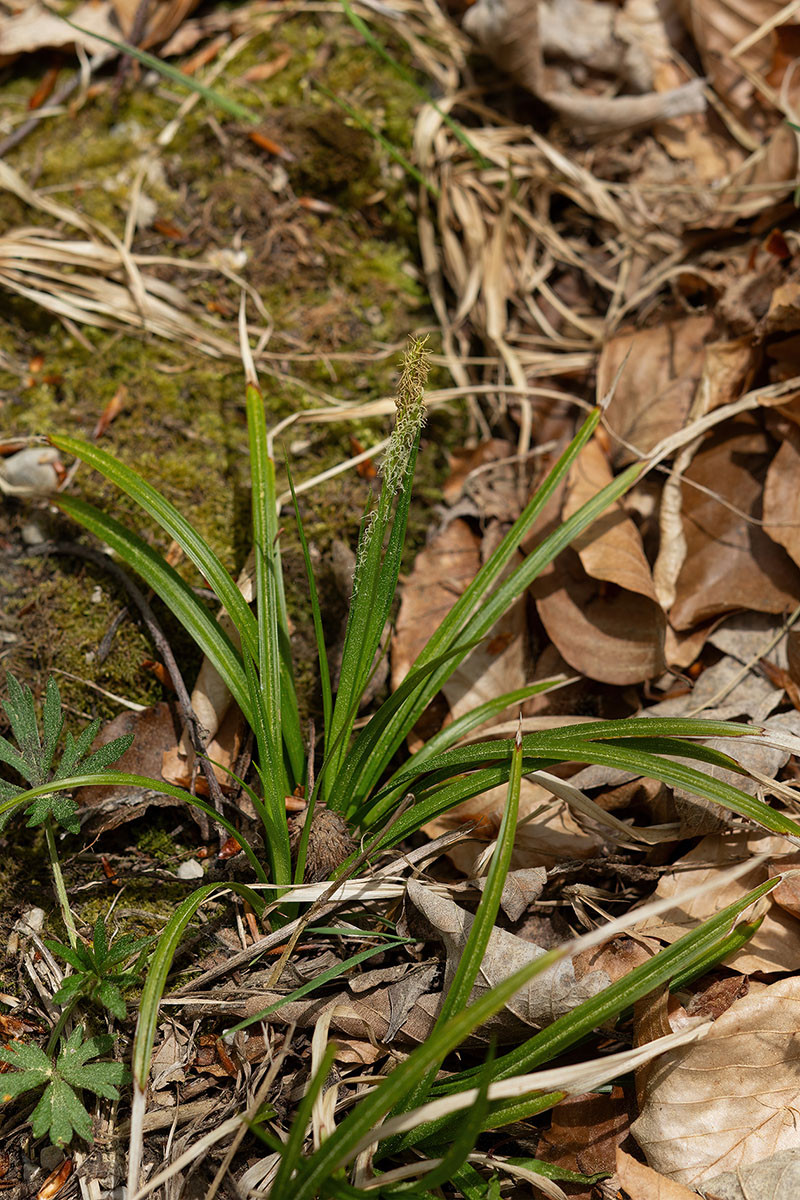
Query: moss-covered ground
[[327, 236]]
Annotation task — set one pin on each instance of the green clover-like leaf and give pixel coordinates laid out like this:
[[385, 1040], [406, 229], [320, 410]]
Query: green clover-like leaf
[[60, 1111]]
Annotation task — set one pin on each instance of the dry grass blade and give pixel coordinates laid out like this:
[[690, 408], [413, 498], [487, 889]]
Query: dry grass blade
[[574, 1079]]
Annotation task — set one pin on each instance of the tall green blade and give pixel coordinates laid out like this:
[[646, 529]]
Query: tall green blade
[[168, 517], [173, 590]]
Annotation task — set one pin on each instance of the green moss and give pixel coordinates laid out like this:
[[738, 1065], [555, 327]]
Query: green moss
[[335, 283], [157, 843]]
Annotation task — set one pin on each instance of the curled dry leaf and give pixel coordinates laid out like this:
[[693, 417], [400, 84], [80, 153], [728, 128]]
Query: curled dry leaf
[[109, 806], [547, 47], [37, 28], [34, 471], [658, 371], [547, 839], [539, 1003], [773, 947], [727, 1100], [641, 1182], [163, 17], [780, 497], [731, 563], [442, 571], [584, 1133], [717, 27], [613, 634]]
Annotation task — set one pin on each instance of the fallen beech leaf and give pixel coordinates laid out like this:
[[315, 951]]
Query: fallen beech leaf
[[37, 28], [543, 841], [611, 548], [749, 636], [660, 369], [111, 411], [501, 662], [723, 693], [520, 37], [773, 1178], [224, 749], [357, 1051], [111, 806], [441, 572], [731, 563], [643, 1183], [520, 889], [612, 636], [539, 1003], [716, 26], [727, 1100], [482, 480], [162, 19], [780, 497], [773, 947], [584, 1133]]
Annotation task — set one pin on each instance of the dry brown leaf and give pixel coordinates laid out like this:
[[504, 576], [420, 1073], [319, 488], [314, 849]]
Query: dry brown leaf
[[614, 634], [611, 636], [643, 1183], [548, 49], [752, 185], [611, 548], [780, 497], [724, 692], [34, 471], [717, 26], [163, 18], [38, 28], [539, 1003], [442, 571], [731, 563], [727, 1100], [224, 748], [774, 946], [154, 730], [501, 663], [584, 1133], [547, 839], [660, 367], [520, 889]]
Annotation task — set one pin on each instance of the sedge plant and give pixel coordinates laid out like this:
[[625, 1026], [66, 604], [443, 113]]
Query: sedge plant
[[357, 776]]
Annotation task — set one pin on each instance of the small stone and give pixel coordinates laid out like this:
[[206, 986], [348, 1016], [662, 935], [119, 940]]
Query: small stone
[[191, 869], [32, 535], [34, 471]]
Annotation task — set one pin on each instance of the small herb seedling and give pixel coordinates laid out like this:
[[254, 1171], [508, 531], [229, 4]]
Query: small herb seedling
[[36, 755], [95, 976], [61, 1112]]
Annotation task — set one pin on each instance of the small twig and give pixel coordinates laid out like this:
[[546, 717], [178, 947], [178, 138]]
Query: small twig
[[104, 649], [162, 645]]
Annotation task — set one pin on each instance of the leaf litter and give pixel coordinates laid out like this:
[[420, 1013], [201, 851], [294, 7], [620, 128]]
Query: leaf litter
[[645, 254]]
